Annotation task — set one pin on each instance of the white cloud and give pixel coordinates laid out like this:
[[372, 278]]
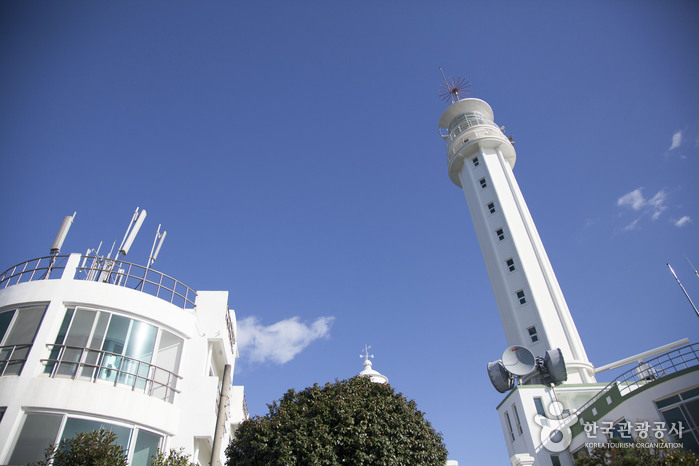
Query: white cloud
[[676, 140], [632, 226], [281, 341], [683, 221], [635, 200]]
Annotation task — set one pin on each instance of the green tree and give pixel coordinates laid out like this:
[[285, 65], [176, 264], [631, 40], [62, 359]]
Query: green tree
[[173, 458], [96, 448], [351, 421], [638, 452]]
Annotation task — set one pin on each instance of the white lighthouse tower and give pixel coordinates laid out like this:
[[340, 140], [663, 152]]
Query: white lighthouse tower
[[553, 412], [533, 310]]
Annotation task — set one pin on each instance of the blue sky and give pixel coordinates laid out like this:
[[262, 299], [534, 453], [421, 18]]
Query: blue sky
[[291, 152]]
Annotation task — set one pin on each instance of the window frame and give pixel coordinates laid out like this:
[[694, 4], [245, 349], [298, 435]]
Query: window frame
[[500, 234], [521, 297]]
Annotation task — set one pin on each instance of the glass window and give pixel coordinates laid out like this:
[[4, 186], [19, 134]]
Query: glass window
[[491, 207], [42, 429], [539, 406], [510, 264], [75, 342], [5, 319], [18, 328], [77, 425], [519, 423], [555, 460], [475, 161], [106, 346], [483, 183], [500, 234], [520, 297], [682, 410], [147, 444], [38, 432], [532, 334], [509, 426]]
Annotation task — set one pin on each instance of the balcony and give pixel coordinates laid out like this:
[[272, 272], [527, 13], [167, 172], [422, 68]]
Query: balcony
[[104, 270], [93, 365]]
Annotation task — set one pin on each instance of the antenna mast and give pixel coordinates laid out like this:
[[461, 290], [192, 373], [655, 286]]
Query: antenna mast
[[132, 231], [454, 88], [683, 290], [153, 256]]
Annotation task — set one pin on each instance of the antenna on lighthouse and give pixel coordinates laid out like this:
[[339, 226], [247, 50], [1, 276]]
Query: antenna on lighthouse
[[62, 233], [158, 236], [696, 272], [132, 230], [454, 88], [683, 290]]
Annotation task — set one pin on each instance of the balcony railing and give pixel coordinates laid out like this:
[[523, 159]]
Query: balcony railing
[[95, 268], [649, 371], [95, 365], [41, 268]]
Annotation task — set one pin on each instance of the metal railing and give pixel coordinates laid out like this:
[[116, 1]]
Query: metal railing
[[467, 124], [104, 270], [649, 371], [12, 359], [95, 365], [136, 277], [41, 268]]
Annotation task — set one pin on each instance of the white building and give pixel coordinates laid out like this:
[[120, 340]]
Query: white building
[[543, 422], [87, 342]]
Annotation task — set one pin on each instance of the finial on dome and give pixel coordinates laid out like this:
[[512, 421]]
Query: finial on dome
[[373, 375]]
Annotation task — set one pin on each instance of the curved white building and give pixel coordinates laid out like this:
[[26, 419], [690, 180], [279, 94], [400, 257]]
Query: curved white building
[[87, 342]]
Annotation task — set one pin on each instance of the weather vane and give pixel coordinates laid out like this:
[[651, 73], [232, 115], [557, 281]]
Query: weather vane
[[366, 354], [453, 89]]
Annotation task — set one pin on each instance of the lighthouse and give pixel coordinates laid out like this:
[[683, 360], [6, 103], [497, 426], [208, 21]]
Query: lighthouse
[[534, 313]]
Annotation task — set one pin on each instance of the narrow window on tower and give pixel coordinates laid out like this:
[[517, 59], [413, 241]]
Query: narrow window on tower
[[520, 297], [491, 207], [500, 234], [519, 423], [475, 161], [483, 183], [509, 426], [539, 405], [510, 264], [532, 334]]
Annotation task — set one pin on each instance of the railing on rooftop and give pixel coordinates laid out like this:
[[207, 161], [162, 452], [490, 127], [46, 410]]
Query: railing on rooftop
[[41, 268], [649, 371], [98, 365], [95, 268]]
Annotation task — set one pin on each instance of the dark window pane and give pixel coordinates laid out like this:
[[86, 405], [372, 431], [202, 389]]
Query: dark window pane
[[38, 432], [5, 319], [25, 326]]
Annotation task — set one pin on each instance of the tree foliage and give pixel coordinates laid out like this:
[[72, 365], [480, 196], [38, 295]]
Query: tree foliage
[[173, 458], [96, 448], [638, 452], [351, 421]]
